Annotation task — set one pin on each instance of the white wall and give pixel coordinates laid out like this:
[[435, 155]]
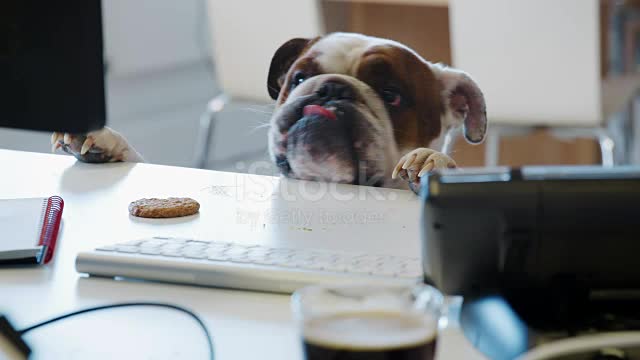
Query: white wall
[[150, 35]]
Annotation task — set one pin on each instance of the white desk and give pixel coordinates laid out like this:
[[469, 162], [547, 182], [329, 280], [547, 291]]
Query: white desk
[[244, 325]]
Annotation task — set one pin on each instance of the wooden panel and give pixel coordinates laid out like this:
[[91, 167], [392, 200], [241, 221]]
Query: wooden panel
[[423, 28], [537, 148], [336, 16]]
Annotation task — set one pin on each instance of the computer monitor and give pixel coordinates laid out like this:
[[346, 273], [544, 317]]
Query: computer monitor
[[51, 65]]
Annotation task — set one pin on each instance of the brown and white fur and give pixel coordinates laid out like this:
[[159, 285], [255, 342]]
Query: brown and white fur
[[349, 108]]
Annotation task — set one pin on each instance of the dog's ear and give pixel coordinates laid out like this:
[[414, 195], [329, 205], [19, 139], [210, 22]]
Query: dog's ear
[[286, 54], [463, 101]]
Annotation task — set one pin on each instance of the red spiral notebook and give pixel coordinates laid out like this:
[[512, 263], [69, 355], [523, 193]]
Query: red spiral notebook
[[29, 229]]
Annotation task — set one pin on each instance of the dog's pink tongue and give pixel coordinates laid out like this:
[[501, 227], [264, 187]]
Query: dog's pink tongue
[[318, 110]]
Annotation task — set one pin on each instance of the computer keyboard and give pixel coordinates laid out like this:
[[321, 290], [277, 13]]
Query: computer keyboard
[[231, 265]]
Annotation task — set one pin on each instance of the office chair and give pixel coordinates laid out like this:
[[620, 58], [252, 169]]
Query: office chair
[[538, 63], [245, 35]]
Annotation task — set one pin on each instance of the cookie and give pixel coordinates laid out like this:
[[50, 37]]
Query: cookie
[[164, 208]]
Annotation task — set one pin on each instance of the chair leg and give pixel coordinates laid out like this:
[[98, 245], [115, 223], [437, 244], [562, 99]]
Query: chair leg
[[606, 147], [492, 147], [634, 149], [602, 135], [450, 139], [207, 128]]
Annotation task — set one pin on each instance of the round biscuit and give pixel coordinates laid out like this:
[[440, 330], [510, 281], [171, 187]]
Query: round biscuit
[[164, 208]]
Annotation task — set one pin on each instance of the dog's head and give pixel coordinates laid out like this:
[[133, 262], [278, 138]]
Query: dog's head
[[348, 106]]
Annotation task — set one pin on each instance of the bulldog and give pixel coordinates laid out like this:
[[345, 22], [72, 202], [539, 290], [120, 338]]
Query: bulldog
[[349, 108]]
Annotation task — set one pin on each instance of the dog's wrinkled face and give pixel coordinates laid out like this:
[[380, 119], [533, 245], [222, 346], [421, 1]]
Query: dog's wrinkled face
[[348, 106]]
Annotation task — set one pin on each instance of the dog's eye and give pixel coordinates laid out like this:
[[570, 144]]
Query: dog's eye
[[391, 97], [298, 78]]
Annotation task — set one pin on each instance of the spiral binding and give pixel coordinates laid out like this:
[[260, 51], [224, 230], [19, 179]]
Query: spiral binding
[[52, 213]]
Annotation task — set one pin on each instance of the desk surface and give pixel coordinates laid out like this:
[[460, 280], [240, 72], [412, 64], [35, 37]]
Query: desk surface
[[244, 325]]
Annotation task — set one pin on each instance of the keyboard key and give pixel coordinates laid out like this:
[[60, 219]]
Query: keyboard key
[[218, 257], [192, 253], [199, 255], [315, 266], [281, 252], [258, 251], [263, 261], [176, 255], [133, 242], [236, 254], [375, 259], [217, 246], [301, 260], [292, 264], [405, 273], [215, 251], [221, 243], [359, 269], [339, 266], [255, 258], [336, 267], [363, 257], [198, 242], [187, 251], [235, 251], [107, 248], [179, 240], [344, 262], [127, 249], [171, 253], [340, 259], [152, 243], [388, 270], [278, 259], [241, 259], [149, 251], [155, 243]]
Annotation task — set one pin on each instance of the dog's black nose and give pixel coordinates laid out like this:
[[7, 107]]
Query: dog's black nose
[[335, 90]]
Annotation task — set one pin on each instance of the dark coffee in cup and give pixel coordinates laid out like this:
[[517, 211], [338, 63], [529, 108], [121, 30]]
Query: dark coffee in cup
[[371, 336]]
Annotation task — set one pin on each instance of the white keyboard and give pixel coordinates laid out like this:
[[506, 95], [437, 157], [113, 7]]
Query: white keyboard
[[230, 265]]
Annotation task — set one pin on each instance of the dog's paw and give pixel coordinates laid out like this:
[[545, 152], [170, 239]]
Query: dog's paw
[[419, 162], [104, 145]]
